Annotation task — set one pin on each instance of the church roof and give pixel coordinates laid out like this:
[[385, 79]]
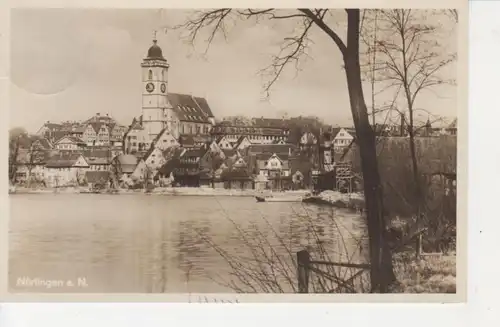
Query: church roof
[[190, 108]]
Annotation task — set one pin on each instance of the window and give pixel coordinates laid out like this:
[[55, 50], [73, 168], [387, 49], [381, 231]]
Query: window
[[150, 74]]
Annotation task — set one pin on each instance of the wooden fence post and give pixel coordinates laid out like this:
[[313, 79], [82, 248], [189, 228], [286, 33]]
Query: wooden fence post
[[303, 261], [419, 246]]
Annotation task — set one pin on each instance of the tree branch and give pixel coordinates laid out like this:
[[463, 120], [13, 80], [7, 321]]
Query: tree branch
[[322, 25]]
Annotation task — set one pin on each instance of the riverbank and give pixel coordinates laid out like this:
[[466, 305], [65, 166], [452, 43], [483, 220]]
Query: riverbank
[[353, 201], [187, 191]]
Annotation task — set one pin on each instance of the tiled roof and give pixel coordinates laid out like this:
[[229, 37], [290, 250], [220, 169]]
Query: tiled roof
[[189, 108], [59, 134], [100, 118], [223, 129], [240, 140], [97, 157], [271, 148], [71, 138], [63, 160], [196, 152], [203, 104], [97, 126], [45, 143], [193, 140], [53, 126], [136, 124], [267, 156]]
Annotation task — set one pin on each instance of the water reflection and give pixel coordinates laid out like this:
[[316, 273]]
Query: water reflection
[[156, 244]]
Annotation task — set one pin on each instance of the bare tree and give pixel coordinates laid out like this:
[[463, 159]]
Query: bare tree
[[36, 156], [16, 137], [411, 60], [294, 48]]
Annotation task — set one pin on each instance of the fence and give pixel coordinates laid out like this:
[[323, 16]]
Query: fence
[[306, 266]]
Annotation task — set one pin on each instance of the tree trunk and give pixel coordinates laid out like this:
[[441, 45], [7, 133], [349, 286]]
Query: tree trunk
[[13, 160], [381, 273]]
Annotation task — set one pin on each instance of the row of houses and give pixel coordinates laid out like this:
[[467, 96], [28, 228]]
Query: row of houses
[[99, 130], [212, 164], [255, 155]]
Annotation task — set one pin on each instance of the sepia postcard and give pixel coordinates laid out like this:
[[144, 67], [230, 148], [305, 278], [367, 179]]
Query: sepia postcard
[[190, 154]]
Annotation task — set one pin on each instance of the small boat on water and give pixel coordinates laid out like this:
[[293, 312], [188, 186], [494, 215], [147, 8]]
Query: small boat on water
[[278, 198]]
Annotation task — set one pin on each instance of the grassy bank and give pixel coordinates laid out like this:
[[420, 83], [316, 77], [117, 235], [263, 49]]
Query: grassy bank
[[430, 274]]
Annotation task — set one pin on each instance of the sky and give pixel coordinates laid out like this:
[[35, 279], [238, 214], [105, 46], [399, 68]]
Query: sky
[[70, 64]]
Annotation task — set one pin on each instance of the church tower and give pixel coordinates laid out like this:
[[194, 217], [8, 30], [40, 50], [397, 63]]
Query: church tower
[[154, 91]]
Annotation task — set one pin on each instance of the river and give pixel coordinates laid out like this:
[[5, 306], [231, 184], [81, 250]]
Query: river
[[141, 243]]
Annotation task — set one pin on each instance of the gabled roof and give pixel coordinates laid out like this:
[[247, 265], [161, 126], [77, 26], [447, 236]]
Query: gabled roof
[[70, 138], [52, 126], [44, 143], [219, 138], [58, 134], [97, 126], [240, 140], [266, 156], [63, 160], [189, 108], [136, 124]]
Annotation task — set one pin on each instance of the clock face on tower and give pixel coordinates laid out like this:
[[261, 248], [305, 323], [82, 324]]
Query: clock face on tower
[[150, 87], [163, 88]]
